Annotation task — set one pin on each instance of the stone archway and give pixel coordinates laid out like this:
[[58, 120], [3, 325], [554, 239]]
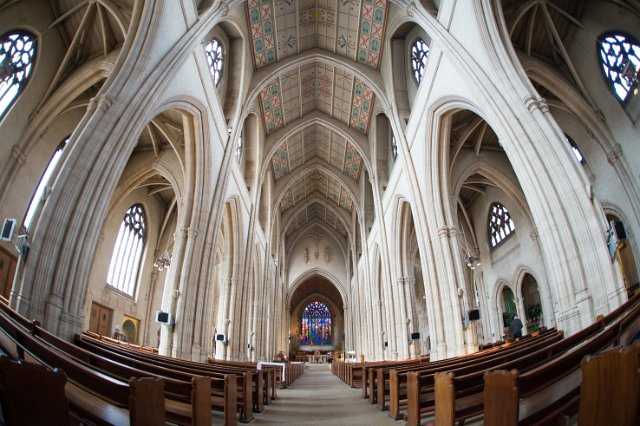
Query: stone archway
[[316, 289]]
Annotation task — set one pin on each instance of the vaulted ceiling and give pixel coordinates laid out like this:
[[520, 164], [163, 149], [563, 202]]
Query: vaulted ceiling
[[281, 29]]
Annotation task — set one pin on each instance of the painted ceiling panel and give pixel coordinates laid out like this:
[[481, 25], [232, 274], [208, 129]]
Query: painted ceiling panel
[[362, 105], [261, 23], [271, 100], [354, 29]]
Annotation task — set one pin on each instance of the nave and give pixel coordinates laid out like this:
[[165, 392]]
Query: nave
[[320, 398]]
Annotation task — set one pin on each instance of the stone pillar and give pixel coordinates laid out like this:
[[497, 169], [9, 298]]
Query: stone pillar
[[449, 294], [171, 292]]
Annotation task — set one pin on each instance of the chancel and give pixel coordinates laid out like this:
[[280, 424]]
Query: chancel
[[319, 212]]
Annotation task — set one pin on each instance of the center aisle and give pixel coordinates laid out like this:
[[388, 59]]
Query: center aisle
[[320, 398]]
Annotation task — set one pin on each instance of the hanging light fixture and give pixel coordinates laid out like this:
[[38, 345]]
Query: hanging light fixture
[[472, 262], [162, 262]]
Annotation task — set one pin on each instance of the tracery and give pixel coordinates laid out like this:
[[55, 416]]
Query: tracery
[[17, 54], [316, 324]]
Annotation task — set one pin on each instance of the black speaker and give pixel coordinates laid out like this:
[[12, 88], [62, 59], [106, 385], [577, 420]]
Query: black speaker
[[474, 315], [415, 336], [618, 226], [386, 344], [220, 337]]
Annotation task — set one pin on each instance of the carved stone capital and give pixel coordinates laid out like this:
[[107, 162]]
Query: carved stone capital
[[100, 103], [615, 154], [17, 153], [536, 103]]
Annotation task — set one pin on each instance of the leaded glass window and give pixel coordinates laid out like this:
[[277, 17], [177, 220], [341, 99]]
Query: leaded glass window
[[315, 327], [215, 58], [17, 53], [501, 226], [127, 253], [619, 55], [419, 56], [44, 186]]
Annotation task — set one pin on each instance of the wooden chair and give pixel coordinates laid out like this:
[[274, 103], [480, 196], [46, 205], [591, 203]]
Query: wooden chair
[[32, 394], [609, 389]]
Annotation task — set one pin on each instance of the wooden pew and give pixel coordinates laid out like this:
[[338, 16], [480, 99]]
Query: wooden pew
[[501, 395], [609, 388], [91, 394], [254, 393], [250, 381], [399, 378], [223, 394]]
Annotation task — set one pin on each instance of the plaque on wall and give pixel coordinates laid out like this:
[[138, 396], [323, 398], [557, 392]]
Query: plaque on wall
[[8, 264]]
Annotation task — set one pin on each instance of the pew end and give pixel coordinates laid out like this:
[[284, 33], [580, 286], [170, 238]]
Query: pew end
[[147, 395], [44, 404], [501, 402]]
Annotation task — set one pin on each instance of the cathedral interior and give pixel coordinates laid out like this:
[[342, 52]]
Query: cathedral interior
[[399, 195]]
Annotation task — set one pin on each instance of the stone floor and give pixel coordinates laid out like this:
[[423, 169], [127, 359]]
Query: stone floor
[[320, 398]]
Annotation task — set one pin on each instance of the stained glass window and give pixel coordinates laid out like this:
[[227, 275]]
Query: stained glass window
[[215, 59], [17, 52], [315, 327], [127, 253], [500, 225], [619, 55], [44, 186], [419, 56]]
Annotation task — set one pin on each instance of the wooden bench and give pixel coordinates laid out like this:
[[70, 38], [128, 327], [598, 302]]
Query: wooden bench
[[399, 377], [511, 394], [224, 388], [91, 394]]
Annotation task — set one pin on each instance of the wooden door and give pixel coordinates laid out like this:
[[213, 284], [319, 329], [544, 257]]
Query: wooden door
[[100, 321]]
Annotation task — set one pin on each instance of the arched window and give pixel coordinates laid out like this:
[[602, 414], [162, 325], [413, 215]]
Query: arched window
[[500, 224], [240, 148], [17, 53], [215, 57], [394, 147], [576, 150], [315, 327], [127, 253], [619, 55], [44, 187], [419, 56]]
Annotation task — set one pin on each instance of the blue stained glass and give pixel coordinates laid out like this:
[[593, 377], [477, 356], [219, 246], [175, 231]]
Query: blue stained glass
[[315, 327]]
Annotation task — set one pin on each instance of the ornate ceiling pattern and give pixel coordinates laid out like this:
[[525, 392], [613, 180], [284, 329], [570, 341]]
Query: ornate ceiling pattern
[[317, 183], [351, 28], [316, 212], [317, 142], [316, 86], [354, 29]]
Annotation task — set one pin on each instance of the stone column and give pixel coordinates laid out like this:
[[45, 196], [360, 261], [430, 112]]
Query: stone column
[[171, 291]]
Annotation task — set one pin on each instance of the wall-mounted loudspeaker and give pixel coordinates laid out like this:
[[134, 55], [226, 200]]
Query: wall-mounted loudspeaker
[[415, 336], [163, 317], [7, 230], [220, 337]]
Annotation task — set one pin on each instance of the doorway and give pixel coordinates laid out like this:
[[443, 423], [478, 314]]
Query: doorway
[[101, 318]]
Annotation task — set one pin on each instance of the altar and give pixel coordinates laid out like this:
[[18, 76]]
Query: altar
[[317, 358]]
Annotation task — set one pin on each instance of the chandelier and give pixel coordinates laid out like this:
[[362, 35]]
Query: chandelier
[[162, 262]]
